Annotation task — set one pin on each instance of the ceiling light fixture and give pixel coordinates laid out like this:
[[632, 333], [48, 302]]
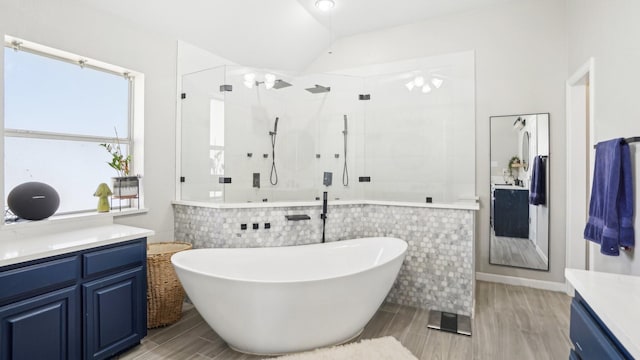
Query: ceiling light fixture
[[437, 82], [269, 80], [325, 5], [410, 85], [249, 80]]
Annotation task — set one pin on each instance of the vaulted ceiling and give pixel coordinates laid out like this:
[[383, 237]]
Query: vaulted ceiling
[[281, 34]]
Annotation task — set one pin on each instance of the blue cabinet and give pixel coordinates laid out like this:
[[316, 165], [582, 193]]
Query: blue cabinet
[[89, 304], [115, 313], [43, 327], [511, 213], [590, 337]]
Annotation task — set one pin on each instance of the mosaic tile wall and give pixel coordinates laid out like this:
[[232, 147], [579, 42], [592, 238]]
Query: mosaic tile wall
[[208, 227], [437, 272]]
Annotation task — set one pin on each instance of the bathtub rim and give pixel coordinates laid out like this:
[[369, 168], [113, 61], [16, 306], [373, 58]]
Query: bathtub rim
[[401, 254]]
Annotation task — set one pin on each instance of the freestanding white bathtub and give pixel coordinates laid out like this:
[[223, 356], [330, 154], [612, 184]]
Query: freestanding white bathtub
[[286, 299]]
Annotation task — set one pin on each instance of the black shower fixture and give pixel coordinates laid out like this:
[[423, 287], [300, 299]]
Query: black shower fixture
[[318, 89], [279, 84]]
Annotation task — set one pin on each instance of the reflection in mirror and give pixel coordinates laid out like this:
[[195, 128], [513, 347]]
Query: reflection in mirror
[[525, 151], [519, 221]]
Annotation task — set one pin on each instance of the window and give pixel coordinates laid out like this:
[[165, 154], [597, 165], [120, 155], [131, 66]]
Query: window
[[57, 110]]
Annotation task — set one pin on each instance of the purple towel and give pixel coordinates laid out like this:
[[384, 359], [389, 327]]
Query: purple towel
[[611, 208], [538, 190]]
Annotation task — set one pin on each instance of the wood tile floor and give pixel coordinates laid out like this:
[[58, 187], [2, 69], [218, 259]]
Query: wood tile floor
[[511, 322], [515, 252]]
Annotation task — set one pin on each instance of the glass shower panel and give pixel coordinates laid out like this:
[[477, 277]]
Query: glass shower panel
[[202, 135], [420, 131], [322, 104], [258, 98]]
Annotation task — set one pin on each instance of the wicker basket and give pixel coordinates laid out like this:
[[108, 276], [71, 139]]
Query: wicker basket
[[164, 291]]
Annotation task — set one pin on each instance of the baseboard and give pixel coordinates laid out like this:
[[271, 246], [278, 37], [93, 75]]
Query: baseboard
[[542, 255], [532, 283]]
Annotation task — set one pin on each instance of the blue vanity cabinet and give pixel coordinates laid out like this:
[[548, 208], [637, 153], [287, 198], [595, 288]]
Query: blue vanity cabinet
[[511, 213], [39, 304], [590, 337], [89, 304], [114, 300], [43, 327]]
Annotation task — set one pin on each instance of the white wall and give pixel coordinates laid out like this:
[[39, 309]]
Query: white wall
[[70, 26], [504, 145], [520, 53], [609, 31]]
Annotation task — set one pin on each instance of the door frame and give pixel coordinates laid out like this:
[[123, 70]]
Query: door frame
[[580, 115]]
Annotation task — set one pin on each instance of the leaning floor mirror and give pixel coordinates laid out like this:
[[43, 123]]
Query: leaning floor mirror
[[519, 221]]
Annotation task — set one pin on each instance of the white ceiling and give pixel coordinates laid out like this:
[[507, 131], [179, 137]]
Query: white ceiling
[[350, 17], [280, 34]]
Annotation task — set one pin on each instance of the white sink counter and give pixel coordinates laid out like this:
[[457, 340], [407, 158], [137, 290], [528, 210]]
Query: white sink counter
[[615, 299], [509, 187], [37, 247]]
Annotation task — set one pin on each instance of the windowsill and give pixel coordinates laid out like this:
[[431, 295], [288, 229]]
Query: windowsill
[[69, 218]]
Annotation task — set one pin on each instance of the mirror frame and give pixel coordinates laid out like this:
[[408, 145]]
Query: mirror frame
[[548, 175]]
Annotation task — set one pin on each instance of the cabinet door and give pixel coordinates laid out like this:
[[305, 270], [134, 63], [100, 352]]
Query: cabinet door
[[115, 313], [511, 213], [43, 327]]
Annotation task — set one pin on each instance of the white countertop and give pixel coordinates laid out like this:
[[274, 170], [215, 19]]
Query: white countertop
[[36, 247], [509, 187], [616, 300]]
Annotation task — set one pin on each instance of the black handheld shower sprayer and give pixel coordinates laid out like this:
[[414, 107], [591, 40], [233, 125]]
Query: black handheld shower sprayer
[[273, 178], [345, 171], [323, 216]]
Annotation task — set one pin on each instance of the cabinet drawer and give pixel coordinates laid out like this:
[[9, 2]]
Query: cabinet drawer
[[35, 279], [117, 257], [588, 338]]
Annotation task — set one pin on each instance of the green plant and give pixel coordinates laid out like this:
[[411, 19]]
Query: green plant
[[119, 162], [515, 160]]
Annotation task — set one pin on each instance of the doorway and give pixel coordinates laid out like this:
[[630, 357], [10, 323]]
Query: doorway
[[580, 116]]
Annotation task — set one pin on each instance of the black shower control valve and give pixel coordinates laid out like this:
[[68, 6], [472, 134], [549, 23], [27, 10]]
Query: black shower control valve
[[327, 178], [256, 226], [317, 156], [243, 226], [337, 156], [265, 156], [267, 225], [429, 199]]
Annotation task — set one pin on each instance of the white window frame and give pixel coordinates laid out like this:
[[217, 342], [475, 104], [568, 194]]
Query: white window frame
[[135, 123]]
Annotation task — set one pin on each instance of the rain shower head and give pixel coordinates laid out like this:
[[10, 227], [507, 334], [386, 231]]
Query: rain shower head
[[319, 89], [279, 84]]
